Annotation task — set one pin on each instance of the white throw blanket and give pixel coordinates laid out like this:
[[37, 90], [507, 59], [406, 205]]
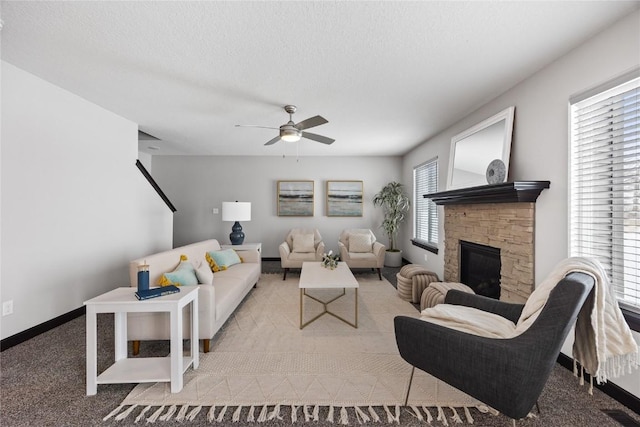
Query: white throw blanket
[[603, 343]]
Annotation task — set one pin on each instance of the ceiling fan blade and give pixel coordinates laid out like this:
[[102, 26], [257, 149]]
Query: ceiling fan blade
[[273, 141], [311, 122], [318, 138], [255, 126]]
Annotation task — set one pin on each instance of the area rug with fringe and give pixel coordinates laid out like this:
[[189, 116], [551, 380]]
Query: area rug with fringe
[[261, 361]]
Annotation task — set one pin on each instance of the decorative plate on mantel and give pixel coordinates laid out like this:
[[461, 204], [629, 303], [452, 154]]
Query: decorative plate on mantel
[[496, 172]]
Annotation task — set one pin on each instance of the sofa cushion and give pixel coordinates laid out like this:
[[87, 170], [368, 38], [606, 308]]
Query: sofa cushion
[[360, 243], [303, 243], [362, 256], [183, 275], [228, 290], [248, 272], [303, 256], [204, 273], [221, 260]]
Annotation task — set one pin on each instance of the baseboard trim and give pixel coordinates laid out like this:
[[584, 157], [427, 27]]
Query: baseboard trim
[[41, 328], [615, 392]]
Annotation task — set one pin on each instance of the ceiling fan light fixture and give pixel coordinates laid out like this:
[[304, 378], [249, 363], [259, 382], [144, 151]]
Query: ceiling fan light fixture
[[293, 132], [290, 135]]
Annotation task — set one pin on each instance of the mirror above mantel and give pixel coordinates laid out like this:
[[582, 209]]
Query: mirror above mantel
[[480, 154]]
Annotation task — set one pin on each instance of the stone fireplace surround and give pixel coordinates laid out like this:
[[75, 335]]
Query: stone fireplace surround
[[501, 216]]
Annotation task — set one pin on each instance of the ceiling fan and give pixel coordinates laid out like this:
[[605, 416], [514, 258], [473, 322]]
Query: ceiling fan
[[292, 132]]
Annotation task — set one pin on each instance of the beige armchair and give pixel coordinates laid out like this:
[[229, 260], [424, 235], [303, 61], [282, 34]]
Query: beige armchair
[[359, 249], [300, 245]]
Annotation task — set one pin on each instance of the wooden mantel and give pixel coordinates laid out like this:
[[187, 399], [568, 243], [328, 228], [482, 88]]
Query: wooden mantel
[[508, 192]]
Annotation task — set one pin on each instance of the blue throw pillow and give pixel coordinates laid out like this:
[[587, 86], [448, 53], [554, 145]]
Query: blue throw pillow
[[221, 260], [183, 275]]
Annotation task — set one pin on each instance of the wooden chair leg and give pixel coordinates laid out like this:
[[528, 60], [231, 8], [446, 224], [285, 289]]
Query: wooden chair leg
[[380, 274], [206, 346], [406, 398], [136, 347], [285, 274]]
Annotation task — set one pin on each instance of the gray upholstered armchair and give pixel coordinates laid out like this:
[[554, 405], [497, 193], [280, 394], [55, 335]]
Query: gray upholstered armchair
[[360, 249], [506, 374], [300, 245]]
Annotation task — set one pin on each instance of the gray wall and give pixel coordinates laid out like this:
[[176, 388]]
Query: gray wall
[[541, 141], [197, 184]]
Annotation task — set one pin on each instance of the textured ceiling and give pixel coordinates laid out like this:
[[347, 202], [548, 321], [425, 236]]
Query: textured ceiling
[[387, 75]]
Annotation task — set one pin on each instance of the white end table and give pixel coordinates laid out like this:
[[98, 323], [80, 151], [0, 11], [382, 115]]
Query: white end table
[[244, 247], [121, 301]]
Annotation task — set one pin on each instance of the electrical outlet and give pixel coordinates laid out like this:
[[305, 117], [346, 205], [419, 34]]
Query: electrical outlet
[[7, 308], [426, 257], [215, 211]]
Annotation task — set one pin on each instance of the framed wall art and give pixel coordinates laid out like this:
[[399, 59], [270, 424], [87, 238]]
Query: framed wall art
[[295, 198], [344, 198]]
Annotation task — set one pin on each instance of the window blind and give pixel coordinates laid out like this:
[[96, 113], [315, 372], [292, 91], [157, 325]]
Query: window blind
[[605, 186], [425, 180]]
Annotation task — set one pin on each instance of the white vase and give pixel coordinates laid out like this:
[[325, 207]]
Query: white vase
[[393, 259]]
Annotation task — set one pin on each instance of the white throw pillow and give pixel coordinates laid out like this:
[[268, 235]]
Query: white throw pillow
[[359, 242], [303, 243], [204, 273]]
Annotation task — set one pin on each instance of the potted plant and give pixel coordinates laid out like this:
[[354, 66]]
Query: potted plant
[[395, 204]]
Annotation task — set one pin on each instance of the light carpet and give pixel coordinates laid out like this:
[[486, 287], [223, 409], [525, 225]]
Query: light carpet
[[261, 360]]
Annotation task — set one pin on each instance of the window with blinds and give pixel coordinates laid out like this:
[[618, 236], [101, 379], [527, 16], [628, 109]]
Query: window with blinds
[[605, 183], [425, 180]]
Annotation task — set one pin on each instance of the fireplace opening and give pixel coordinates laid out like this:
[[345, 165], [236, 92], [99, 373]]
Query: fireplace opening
[[480, 268]]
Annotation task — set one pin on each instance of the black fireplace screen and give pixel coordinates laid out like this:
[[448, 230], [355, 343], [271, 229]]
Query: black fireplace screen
[[480, 268]]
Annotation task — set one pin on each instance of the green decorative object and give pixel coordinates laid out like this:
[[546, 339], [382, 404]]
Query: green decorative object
[[395, 204]]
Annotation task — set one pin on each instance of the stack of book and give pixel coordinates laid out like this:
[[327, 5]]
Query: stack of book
[[156, 292]]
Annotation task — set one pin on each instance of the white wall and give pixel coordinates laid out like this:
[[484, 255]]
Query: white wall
[[197, 184], [540, 141], [146, 160], [75, 209]]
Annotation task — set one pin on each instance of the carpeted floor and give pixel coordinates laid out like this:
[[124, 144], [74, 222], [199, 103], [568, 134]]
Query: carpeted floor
[[42, 383]]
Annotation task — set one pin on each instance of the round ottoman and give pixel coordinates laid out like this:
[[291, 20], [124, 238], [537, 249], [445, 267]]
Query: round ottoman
[[436, 291], [412, 280]]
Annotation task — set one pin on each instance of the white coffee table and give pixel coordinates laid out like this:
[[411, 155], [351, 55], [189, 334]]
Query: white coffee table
[[121, 301], [314, 276]]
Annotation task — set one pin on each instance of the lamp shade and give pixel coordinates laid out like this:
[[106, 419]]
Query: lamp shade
[[236, 211]]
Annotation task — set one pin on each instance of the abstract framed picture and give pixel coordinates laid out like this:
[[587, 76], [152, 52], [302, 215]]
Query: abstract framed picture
[[344, 198], [295, 198]]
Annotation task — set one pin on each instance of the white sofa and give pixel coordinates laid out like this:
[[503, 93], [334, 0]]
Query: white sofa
[[216, 302]]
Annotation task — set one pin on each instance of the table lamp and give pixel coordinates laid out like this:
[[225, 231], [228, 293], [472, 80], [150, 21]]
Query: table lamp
[[236, 212]]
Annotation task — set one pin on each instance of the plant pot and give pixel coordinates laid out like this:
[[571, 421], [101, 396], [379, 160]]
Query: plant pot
[[393, 259]]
